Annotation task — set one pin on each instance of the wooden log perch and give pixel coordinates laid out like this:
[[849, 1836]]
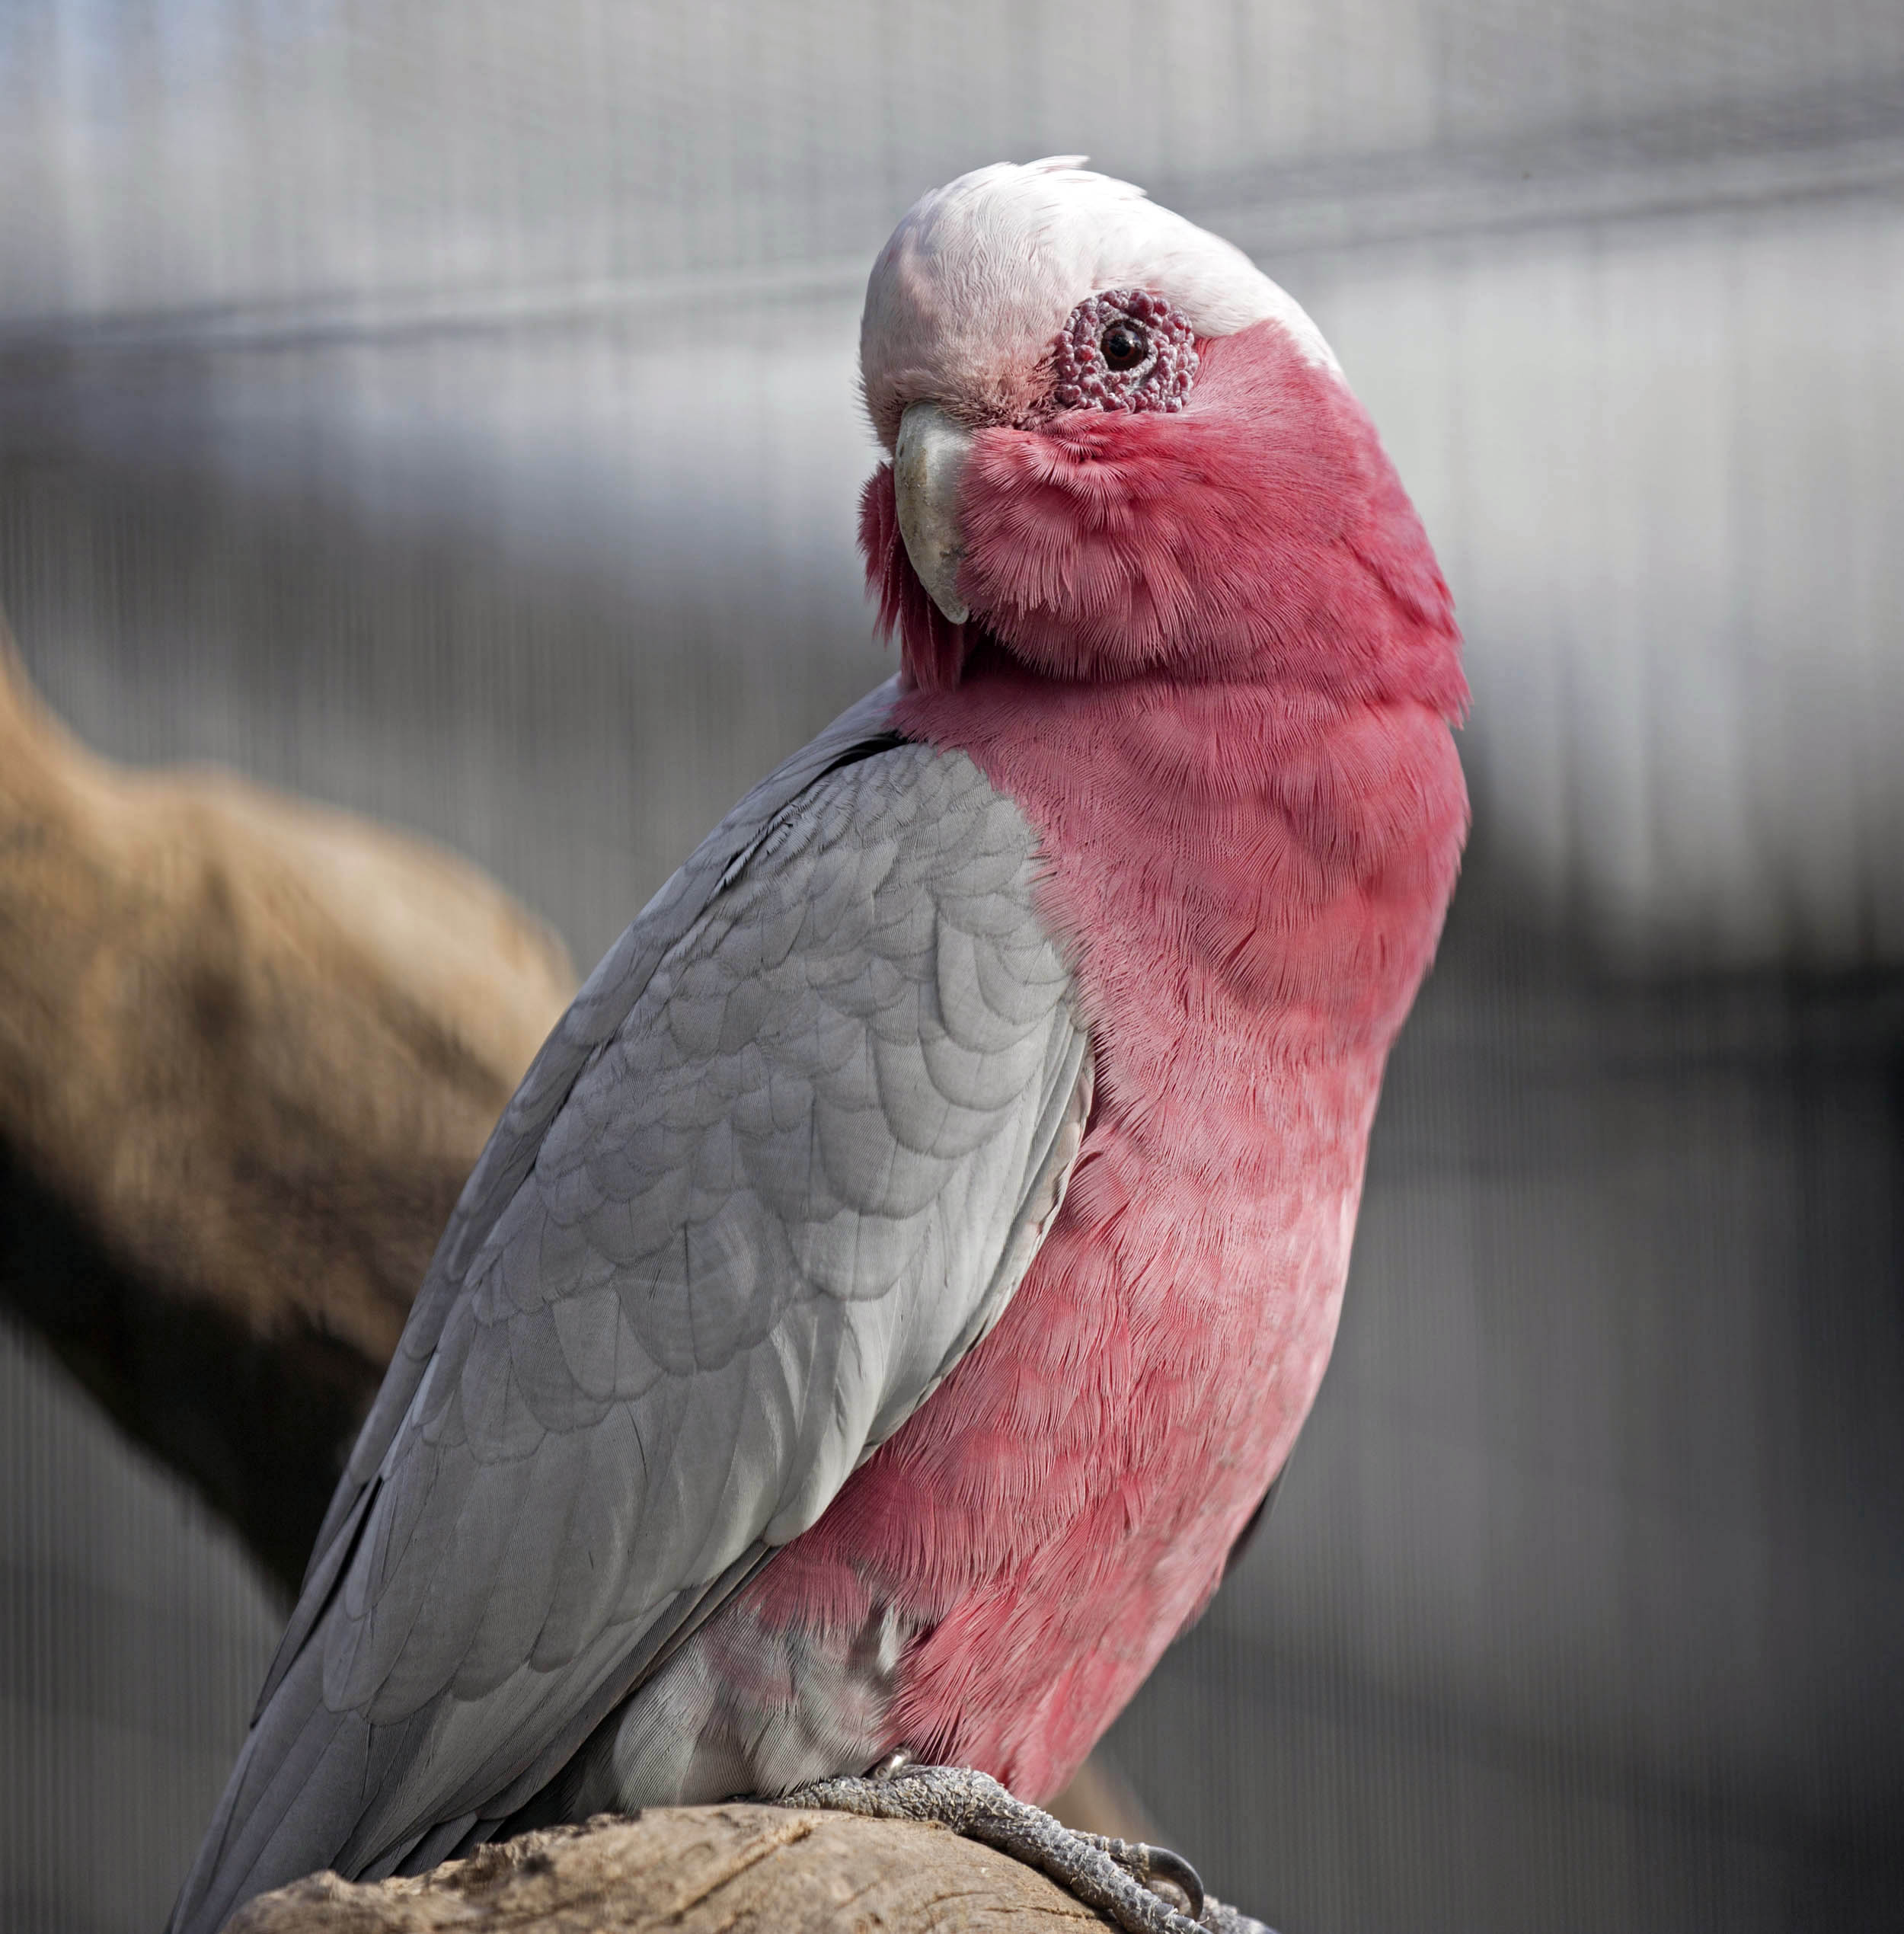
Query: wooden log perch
[[732, 1869]]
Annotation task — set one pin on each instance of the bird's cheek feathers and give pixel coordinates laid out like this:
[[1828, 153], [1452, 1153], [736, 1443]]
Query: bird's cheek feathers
[[1100, 543]]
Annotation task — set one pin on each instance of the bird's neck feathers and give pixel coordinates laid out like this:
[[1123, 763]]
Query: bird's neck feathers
[[1290, 855]]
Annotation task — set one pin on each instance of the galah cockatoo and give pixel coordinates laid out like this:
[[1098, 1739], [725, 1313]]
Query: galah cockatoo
[[905, 1270]]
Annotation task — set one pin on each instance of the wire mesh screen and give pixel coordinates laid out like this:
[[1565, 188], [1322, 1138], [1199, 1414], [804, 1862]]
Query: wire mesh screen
[[449, 412]]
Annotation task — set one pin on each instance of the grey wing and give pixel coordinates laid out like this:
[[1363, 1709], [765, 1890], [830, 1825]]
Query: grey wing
[[779, 1195], [599, 1009]]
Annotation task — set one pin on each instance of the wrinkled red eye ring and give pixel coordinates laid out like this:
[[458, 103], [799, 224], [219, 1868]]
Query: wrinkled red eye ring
[[1082, 380]]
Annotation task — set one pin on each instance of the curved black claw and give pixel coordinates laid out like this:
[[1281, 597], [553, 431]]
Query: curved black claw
[[1162, 1864], [1129, 1881], [1168, 1875]]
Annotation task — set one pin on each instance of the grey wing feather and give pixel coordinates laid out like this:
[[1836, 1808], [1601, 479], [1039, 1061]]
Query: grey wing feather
[[600, 1008], [780, 1166]]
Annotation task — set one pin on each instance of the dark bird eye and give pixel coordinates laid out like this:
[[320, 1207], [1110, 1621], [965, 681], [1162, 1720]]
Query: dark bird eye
[[1124, 344]]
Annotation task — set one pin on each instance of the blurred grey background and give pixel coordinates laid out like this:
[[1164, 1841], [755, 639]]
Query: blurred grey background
[[449, 411]]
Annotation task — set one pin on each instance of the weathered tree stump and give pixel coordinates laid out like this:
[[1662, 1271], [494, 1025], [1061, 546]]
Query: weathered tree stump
[[730, 1869]]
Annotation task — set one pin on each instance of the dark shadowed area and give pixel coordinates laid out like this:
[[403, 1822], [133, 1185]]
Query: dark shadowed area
[[448, 413]]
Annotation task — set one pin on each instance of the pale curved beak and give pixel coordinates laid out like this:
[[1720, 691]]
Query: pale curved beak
[[928, 464]]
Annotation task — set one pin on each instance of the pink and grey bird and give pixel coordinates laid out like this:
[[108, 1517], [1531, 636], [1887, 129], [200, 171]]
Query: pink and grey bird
[[905, 1268]]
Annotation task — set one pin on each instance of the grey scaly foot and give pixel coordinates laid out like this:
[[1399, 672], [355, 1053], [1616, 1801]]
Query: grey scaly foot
[[1131, 1883]]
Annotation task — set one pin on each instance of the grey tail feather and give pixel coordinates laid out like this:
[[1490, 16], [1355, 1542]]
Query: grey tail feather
[[273, 1825], [449, 1840]]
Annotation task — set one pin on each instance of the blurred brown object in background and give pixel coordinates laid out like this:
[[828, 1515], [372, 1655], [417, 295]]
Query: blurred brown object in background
[[249, 1048]]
